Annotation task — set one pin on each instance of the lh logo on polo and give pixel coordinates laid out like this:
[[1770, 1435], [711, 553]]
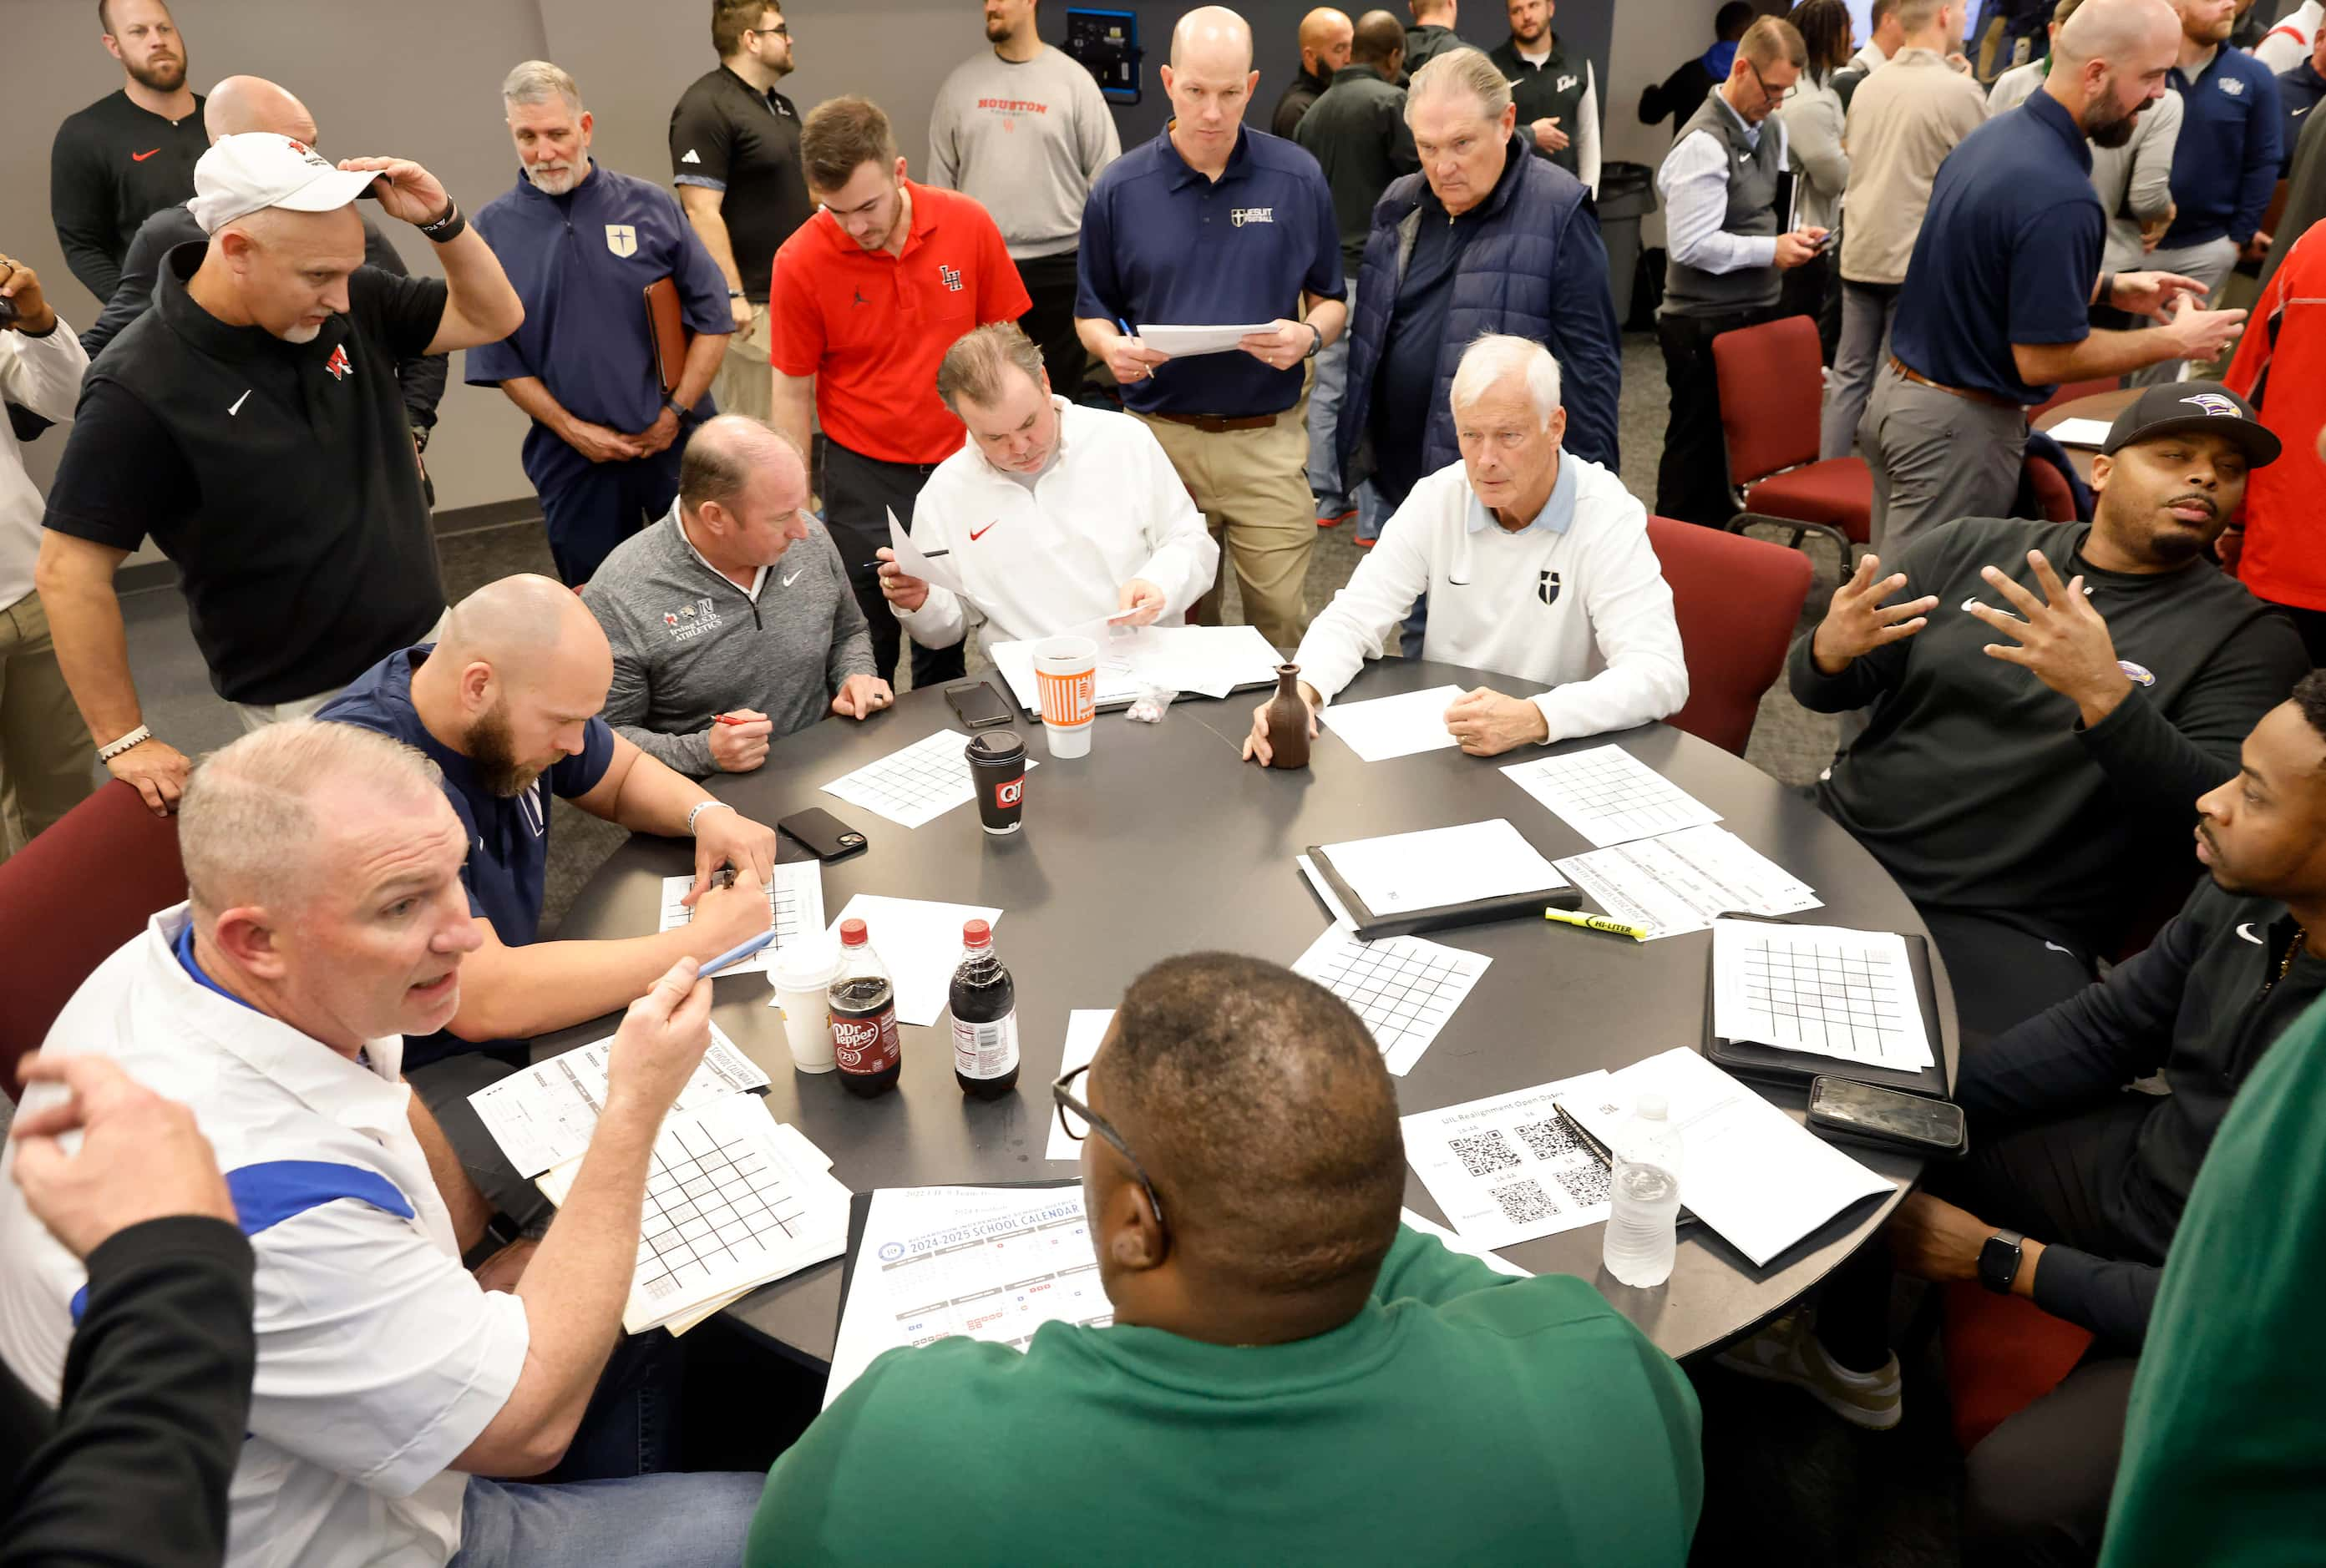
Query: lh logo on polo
[[949, 277], [622, 238]]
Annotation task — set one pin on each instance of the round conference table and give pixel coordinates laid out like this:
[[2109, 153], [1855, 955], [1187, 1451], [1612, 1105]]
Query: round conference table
[[2103, 406], [1161, 842]]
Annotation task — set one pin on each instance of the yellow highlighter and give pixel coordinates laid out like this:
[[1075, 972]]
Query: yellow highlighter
[[1595, 923]]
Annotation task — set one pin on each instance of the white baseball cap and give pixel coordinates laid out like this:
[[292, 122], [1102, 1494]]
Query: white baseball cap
[[247, 173]]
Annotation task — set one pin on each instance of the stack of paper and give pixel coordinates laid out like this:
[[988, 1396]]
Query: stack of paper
[[991, 1262], [1824, 989], [1181, 342], [1748, 1170], [1681, 881], [1399, 873], [795, 909], [1609, 795], [731, 1203], [544, 1115], [1209, 661], [1506, 1169]]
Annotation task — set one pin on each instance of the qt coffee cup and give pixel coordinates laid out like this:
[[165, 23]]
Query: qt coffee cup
[[996, 771]]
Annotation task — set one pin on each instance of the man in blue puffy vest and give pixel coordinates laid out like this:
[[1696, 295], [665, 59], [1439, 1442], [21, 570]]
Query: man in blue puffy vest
[[1487, 239]]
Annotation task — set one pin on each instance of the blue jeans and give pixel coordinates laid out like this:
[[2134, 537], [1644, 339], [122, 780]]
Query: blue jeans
[[1323, 419], [654, 1521]]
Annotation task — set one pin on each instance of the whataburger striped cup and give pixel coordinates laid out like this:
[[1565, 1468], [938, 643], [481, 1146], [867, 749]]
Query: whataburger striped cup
[[1066, 675]]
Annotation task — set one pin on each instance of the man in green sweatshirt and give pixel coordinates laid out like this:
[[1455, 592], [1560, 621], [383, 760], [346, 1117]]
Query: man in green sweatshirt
[[1291, 1377]]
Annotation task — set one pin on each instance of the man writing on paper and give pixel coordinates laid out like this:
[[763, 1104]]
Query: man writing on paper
[[731, 620], [2048, 702], [1053, 514], [1291, 1375], [326, 924], [582, 242], [2096, 1177], [506, 706], [1537, 564]]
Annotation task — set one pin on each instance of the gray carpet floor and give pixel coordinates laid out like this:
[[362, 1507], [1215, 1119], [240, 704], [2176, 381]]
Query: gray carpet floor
[[1785, 1482]]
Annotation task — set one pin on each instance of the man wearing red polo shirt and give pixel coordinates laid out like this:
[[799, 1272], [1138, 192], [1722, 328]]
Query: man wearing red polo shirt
[[2281, 368], [869, 294]]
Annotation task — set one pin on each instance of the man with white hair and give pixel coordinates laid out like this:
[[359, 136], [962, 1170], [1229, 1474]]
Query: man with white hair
[[327, 922], [1537, 564], [582, 242], [1053, 514], [251, 424], [1214, 221]]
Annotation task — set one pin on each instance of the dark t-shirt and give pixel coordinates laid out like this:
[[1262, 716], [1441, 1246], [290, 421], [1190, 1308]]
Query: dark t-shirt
[[725, 135], [113, 166], [1403, 396], [279, 476]]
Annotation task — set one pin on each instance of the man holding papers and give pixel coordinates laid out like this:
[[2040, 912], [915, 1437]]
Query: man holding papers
[[1290, 1375], [2074, 1188], [327, 921], [1537, 565], [1051, 516]]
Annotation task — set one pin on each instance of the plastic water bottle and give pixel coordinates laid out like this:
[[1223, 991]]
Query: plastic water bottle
[[1644, 1196]]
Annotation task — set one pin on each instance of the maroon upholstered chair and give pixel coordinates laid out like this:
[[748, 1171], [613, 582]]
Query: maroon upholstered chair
[[1770, 384], [69, 898], [1737, 601]]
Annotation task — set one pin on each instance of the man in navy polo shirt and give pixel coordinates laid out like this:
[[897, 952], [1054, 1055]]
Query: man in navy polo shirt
[[1995, 309], [1214, 222], [2225, 165], [506, 705], [582, 244]]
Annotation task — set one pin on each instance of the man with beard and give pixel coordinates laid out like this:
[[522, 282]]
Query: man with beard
[[507, 704], [2049, 701], [582, 242], [2074, 1189], [130, 153], [1995, 309]]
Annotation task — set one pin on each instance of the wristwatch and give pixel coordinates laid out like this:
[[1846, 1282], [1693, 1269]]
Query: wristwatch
[[1318, 346], [1998, 1261], [678, 408]]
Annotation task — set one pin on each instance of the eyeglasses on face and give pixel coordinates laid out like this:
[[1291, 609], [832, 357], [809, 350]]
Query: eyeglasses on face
[[1062, 1091]]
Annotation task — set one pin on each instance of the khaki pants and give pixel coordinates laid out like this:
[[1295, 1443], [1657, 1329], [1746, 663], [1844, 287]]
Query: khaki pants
[[257, 716], [1251, 485], [745, 383], [47, 761]]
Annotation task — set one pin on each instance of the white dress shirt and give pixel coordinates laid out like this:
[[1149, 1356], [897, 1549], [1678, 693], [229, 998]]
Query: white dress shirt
[[1693, 180], [43, 375], [1039, 559], [1576, 599], [379, 1358]]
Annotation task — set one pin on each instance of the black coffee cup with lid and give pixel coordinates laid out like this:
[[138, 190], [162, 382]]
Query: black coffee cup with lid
[[996, 771]]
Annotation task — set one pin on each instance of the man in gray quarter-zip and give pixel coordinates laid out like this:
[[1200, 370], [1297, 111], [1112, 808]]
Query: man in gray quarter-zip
[[735, 605]]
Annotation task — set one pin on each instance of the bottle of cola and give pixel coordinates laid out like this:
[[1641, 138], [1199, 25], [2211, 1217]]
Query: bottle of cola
[[984, 1017], [864, 1042]]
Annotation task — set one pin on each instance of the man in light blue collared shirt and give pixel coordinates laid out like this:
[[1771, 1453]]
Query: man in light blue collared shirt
[[1719, 185]]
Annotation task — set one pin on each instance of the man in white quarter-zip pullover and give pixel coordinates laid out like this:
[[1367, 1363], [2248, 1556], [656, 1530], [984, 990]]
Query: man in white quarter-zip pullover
[[1052, 514], [1537, 564]]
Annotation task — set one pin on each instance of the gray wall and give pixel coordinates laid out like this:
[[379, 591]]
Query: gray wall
[[417, 79]]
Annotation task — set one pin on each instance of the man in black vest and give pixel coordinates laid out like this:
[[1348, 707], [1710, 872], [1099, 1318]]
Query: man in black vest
[[1719, 185], [251, 424], [1557, 94]]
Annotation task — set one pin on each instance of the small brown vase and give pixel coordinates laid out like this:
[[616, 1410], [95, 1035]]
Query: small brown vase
[[1288, 721]]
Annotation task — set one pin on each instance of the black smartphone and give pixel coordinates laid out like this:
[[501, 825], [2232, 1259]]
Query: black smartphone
[[8, 312], [1891, 1119], [977, 704], [826, 835], [1832, 238]]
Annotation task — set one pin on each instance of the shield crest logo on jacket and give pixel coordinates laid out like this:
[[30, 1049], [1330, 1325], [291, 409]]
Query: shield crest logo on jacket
[[622, 238], [1546, 585]]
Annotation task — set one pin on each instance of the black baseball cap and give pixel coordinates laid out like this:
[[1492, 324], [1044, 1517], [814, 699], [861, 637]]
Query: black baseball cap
[[2183, 405]]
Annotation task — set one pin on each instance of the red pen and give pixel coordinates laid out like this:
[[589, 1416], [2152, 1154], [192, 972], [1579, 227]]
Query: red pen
[[727, 718]]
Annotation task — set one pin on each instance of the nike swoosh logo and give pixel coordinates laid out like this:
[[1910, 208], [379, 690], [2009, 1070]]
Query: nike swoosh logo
[[793, 578], [236, 406], [140, 157], [2245, 930], [977, 534], [2055, 947]]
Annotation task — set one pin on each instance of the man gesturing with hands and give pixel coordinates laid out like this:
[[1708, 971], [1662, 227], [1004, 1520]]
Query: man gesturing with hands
[[2045, 700]]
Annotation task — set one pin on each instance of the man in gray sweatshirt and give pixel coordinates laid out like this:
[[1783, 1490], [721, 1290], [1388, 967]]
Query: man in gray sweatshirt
[[731, 620]]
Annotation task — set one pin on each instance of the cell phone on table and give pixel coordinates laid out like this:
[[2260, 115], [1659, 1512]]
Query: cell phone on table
[[825, 835], [977, 704], [1844, 1109]]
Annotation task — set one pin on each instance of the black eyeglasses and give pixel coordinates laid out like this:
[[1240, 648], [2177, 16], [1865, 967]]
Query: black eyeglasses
[[779, 30], [1761, 82], [1068, 1101]]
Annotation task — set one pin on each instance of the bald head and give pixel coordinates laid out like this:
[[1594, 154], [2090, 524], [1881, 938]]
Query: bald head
[[242, 104], [520, 672], [1380, 38], [2120, 32], [518, 622], [1215, 39], [730, 454], [1325, 35]]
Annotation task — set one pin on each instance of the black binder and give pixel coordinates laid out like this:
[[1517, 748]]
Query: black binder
[[1794, 1069], [1478, 912]]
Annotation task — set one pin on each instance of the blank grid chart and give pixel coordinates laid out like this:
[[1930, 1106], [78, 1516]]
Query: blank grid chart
[[1404, 987]]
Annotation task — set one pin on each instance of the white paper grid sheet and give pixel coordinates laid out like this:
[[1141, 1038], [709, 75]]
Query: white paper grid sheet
[[795, 908], [1405, 987], [1682, 881], [1506, 1169], [916, 786], [992, 1264], [725, 1210], [1609, 795], [543, 1115], [1821, 989]]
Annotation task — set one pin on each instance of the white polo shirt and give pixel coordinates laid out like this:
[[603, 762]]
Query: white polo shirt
[[1576, 599], [379, 1359], [1037, 559]]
